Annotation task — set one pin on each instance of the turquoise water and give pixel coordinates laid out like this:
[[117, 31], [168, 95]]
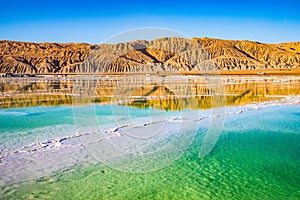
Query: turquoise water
[[256, 157], [22, 126]]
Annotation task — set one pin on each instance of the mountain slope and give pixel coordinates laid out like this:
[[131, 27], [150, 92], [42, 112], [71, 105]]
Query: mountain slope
[[165, 54], [228, 54]]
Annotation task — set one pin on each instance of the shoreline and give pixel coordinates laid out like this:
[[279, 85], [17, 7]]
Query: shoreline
[[258, 72]]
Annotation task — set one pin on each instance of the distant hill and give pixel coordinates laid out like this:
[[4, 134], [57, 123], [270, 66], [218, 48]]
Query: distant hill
[[164, 54]]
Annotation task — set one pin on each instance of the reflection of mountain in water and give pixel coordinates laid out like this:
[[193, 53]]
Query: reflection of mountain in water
[[161, 93]]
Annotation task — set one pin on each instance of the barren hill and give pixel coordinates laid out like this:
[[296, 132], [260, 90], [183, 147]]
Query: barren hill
[[229, 54], [165, 54]]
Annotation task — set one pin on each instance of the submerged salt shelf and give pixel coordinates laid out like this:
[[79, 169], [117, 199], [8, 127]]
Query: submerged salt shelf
[[257, 156], [59, 149]]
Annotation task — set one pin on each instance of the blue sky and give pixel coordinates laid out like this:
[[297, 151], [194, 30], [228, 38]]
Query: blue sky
[[94, 21]]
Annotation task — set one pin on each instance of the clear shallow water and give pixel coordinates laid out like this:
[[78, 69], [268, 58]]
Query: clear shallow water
[[256, 157], [57, 152], [23, 126]]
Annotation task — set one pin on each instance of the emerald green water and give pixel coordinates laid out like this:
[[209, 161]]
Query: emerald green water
[[256, 157]]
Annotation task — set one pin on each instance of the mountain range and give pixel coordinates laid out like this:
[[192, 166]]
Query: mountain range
[[159, 55]]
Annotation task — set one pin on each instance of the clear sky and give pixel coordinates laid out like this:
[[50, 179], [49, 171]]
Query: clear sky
[[94, 21]]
